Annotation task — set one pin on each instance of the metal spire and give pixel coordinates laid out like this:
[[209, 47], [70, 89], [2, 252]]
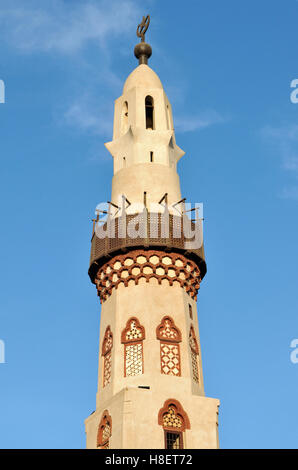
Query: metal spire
[[143, 50]]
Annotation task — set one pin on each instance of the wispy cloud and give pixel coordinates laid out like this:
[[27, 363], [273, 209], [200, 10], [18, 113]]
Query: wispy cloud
[[64, 27], [290, 161], [290, 193], [285, 139], [200, 121], [84, 115], [54, 27], [284, 134]]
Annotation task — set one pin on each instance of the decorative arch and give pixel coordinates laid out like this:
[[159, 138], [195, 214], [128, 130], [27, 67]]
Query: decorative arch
[[194, 352], [106, 352], [174, 421], [169, 336], [104, 431], [132, 337], [149, 112]]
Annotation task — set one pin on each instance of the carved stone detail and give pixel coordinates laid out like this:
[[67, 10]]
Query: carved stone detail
[[170, 268], [104, 431], [132, 337], [172, 416], [106, 352]]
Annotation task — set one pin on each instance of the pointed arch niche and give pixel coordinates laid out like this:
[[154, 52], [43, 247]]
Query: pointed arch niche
[[174, 421], [132, 337], [106, 352], [170, 337], [194, 352], [104, 431]]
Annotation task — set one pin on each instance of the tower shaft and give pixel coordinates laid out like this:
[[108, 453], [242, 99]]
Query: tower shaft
[[147, 271]]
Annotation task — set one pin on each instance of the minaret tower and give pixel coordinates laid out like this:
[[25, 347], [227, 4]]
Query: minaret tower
[[147, 274]]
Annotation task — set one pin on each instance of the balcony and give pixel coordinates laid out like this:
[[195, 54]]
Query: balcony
[[162, 231]]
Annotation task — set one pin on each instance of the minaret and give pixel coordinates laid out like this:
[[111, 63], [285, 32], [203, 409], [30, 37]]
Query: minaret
[[147, 274]]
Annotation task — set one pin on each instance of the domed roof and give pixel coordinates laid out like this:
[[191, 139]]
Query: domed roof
[[142, 76]]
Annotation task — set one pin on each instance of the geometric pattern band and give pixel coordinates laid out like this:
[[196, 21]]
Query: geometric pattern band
[[151, 265]]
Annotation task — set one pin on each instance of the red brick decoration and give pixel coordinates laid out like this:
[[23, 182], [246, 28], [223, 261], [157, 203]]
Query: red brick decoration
[[194, 351], [169, 336], [104, 431], [106, 352], [166, 268], [172, 416], [132, 337]]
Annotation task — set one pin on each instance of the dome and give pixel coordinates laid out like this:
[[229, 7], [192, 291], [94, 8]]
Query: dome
[[142, 76]]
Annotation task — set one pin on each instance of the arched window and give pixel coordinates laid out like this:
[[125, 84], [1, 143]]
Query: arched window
[[194, 351], [124, 118], [104, 431], [190, 311], [170, 337], [168, 117], [149, 110], [132, 337], [174, 421], [106, 352]]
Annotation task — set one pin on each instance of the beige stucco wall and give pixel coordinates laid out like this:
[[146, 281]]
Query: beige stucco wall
[[132, 144], [134, 414], [150, 302], [153, 178]]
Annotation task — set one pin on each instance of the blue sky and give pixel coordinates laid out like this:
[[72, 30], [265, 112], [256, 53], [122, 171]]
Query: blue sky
[[227, 69]]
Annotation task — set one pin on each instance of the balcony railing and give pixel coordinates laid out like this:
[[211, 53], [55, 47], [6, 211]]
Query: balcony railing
[[147, 230]]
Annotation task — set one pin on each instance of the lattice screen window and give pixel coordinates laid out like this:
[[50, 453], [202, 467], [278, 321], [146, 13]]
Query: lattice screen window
[[132, 337], [104, 431], [106, 352], [170, 337], [107, 369], [194, 351], [174, 421]]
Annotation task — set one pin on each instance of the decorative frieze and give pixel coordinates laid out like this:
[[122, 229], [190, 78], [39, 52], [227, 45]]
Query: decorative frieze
[[153, 266]]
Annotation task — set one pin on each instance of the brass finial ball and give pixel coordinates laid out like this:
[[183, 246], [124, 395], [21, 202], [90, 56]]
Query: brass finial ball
[[142, 52]]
